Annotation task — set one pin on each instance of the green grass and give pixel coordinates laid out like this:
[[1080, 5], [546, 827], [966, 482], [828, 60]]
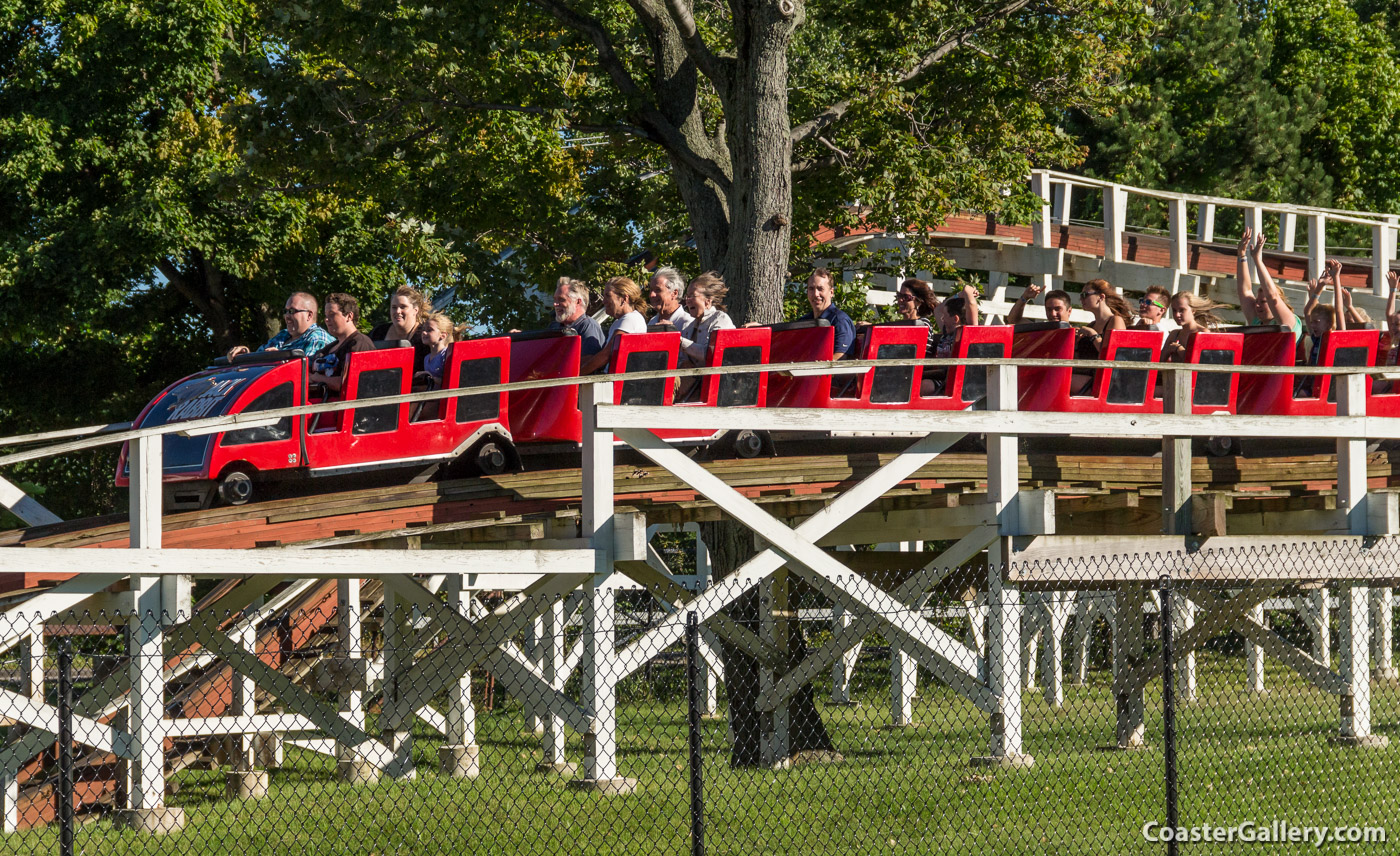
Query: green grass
[[899, 791]]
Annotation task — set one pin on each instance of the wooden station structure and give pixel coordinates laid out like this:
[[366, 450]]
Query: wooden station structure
[[1061, 535]]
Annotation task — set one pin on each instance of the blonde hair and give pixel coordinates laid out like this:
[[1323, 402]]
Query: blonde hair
[[629, 291], [443, 325], [1202, 309]]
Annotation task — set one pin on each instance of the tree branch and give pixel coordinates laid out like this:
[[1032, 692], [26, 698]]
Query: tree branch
[[710, 65], [911, 76], [665, 133]]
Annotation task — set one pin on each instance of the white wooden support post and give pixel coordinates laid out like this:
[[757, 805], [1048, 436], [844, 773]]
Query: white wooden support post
[[31, 684], [349, 634], [533, 631], [1254, 656], [1176, 224], [459, 757], [1059, 605], [1382, 251], [551, 666], [396, 720], [904, 670], [1176, 511], [1287, 231], [1003, 599], [1205, 222], [1128, 646], [1383, 634], [845, 664], [1041, 229], [1352, 599], [1320, 623], [599, 663], [1317, 245], [1115, 213], [146, 809], [1254, 219], [1064, 201], [1042, 235], [245, 780], [1032, 614], [714, 664]]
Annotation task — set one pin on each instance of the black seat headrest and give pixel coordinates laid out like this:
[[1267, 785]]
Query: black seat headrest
[[1255, 328], [1038, 326], [804, 324], [386, 344], [534, 335], [257, 357]]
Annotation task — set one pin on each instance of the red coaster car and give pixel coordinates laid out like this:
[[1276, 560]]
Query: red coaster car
[[472, 429]]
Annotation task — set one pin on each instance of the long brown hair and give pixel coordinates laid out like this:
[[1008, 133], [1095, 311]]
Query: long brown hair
[[925, 301], [1116, 304]]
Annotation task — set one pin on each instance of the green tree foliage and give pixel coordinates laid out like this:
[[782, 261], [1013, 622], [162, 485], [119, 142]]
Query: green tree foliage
[[1294, 100], [135, 242], [570, 133]]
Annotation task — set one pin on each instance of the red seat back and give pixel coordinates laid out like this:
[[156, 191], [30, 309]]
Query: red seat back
[[542, 415], [1215, 392], [884, 385], [645, 352], [479, 363], [1341, 348], [1266, 346], [745, 346], [793, 343], [1116, 388], [1043, 388]]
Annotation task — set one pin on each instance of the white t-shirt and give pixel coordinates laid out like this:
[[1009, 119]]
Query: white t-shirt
[[632, 322]]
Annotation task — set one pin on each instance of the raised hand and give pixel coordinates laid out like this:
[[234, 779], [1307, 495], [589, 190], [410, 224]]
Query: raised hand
[[1315, 286], [1244, 240], [1334, 270], [1393, 278], [1257, 248], [1034, 289]]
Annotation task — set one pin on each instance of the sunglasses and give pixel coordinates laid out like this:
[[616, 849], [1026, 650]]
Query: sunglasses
[[1147, 301]]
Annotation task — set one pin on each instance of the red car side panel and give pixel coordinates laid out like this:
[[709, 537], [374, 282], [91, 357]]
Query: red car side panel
[[545, 415]]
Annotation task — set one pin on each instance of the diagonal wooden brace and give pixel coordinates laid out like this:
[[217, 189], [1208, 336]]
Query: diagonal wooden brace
[[911, 592], [761, 566], [935, 649]]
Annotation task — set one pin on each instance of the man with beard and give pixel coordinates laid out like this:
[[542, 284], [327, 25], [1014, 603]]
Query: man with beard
[[571, 310]]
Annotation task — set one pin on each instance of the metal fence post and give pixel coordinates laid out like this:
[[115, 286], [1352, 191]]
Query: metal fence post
[[693, 665], [65, 748], [1169, 710]]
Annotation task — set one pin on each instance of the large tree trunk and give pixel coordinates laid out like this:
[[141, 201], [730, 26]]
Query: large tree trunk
[[730, 545], [759, 134]]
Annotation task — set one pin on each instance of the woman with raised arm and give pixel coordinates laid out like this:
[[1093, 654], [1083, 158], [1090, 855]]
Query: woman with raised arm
[[1267, 305]]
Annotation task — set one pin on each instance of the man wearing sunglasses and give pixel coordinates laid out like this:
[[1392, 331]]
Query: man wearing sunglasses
[[299, 329], [1152, 311]]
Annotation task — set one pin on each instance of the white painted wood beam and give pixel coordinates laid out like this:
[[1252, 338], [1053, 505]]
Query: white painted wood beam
[[724, 592]]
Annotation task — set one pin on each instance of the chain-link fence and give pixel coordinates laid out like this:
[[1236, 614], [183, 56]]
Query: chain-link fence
[[980, 718]]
